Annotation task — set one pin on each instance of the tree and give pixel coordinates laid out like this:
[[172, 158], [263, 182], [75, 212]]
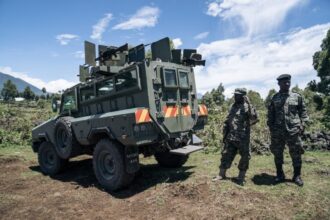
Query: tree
[[28, 94], [321, 63], [256, 99], [9, 90], [218, 96], [297, 89], [207, 99], [312, 85], [43, 90]]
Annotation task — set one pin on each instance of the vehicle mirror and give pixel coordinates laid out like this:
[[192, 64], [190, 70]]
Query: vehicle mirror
[[54, 105]]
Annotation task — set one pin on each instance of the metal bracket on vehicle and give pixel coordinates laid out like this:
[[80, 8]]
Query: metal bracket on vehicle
[[186, 149]]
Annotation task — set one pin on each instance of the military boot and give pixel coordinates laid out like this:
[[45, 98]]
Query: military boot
[[280, 177], [241, 177], [221, 176], [296, 176]]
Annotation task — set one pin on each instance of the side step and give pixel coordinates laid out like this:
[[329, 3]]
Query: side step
[[186, 149]]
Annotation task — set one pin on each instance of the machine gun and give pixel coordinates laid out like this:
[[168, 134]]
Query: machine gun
[[195, 59], [110, 51]]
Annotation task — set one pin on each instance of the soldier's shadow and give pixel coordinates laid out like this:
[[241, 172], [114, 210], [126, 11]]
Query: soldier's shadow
[[80, 173], [264, 179]]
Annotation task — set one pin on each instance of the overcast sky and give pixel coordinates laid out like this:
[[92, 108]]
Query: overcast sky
[[246, 43]]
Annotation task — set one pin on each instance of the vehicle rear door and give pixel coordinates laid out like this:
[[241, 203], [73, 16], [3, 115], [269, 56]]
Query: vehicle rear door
[[175, 101]]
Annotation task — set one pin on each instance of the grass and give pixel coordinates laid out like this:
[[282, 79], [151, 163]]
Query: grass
[[306, 202], [258, 198], [23, 152]]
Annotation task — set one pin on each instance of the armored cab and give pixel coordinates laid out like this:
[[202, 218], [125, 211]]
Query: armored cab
[[127, 103]]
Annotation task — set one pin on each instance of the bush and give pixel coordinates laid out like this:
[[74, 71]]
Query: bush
[[17, 121]]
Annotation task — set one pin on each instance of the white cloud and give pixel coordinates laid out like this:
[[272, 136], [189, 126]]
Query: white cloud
[[65, 39], [79, 54], [255, 63], [100, 26], [254, 16], [144, 17], [201, 35], [51, 86], [177, 42]]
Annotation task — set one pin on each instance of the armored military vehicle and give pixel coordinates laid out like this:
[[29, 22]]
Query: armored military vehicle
[[129, 101]]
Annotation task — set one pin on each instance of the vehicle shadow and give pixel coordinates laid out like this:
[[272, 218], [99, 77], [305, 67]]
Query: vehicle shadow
[[81, 172]]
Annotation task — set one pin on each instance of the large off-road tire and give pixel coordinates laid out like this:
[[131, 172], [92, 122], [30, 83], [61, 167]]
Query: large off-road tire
[[66, 144], [167, 159], [109, 165], [50, 163]]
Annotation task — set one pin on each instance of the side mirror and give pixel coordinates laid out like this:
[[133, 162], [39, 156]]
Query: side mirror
[[54, 105]]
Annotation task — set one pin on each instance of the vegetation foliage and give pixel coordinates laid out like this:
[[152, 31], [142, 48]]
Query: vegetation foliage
[[321, 63], [18, 119]]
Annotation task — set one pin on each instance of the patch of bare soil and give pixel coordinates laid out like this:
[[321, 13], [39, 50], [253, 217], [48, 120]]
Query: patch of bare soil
[[156, 193]]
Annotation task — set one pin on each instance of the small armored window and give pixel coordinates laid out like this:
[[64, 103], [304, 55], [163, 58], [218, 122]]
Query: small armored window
[[104, 87], [126, 80], [87, 93], [170, 78], [69, 101], [183, 79]]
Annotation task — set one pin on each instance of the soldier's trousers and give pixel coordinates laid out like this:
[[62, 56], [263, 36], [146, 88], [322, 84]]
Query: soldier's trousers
[[229, 152], [278, 141]]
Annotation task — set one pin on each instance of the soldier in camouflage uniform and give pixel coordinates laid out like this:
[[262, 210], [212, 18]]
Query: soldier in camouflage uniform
[[236, 134], [286, 120]]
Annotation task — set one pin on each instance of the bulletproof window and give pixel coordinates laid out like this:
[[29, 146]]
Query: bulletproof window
[[105, 87], [183, 79], [170, 78], [69, 101], [87, 93], [126, 80]]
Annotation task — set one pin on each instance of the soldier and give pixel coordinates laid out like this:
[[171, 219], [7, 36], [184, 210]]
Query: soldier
[[236, 135], [286, 121]]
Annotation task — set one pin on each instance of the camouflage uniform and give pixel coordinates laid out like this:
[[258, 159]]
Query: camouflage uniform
[[286, 115], [237, 135]]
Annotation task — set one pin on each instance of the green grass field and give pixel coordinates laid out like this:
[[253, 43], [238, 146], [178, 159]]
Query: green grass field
[[259, 198]]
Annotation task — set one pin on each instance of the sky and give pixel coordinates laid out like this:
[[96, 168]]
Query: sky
[[246, 43]]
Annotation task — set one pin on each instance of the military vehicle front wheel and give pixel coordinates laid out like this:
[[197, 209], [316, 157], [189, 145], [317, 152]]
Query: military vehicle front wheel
[[109, 165], [50, 163], [166, 159], [66, 144]]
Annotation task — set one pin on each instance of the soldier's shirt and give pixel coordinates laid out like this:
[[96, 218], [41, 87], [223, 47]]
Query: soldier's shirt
[[286, 113], [238, 123]]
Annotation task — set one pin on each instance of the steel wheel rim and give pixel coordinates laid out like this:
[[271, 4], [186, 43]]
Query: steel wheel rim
[[107, 165], [62, 138], [49, 158]]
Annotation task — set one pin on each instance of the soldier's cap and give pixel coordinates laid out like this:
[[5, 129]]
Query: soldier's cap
[[284, 77], [240, 91]]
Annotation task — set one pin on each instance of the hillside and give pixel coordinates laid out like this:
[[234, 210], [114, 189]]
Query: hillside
[[20, 84]]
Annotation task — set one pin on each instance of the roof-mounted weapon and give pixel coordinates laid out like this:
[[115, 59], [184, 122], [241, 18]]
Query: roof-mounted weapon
[[110, 51]]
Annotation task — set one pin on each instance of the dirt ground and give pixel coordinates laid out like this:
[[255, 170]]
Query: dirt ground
[[156, 193]]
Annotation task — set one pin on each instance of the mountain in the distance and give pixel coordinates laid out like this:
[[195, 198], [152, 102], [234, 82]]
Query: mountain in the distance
[[20, 84]]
